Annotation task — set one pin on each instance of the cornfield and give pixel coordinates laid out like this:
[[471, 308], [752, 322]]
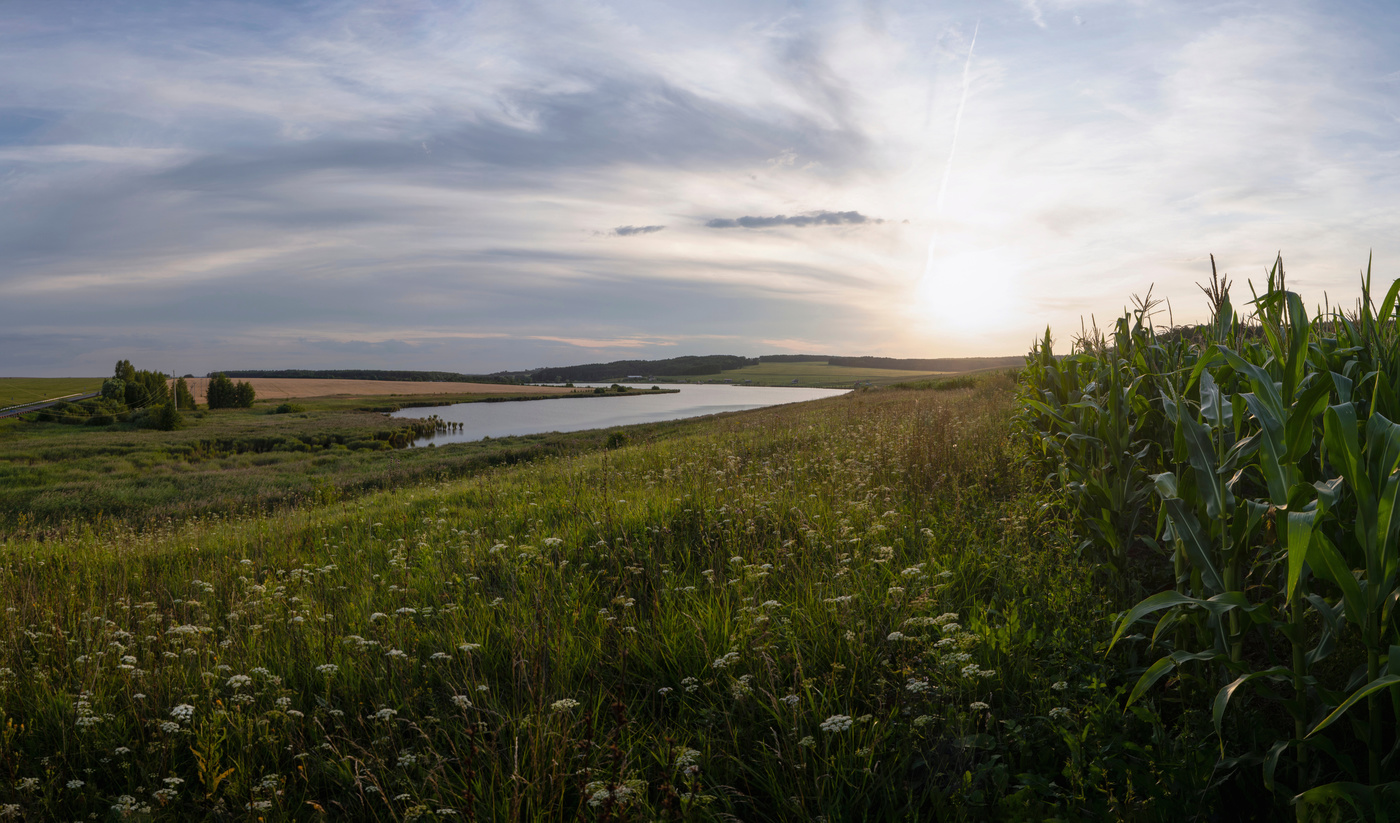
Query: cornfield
[[1247, 467]]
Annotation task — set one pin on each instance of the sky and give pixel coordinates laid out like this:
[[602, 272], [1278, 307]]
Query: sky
[[484, 186]]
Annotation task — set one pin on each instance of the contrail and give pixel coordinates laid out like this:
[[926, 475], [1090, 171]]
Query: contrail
[[953, 148], [957, 120]]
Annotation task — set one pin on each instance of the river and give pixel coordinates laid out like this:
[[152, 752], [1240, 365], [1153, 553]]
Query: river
[[569, 414]]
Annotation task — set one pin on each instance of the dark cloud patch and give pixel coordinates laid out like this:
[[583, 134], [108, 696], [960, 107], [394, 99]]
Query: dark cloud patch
[[628, 231], [813, 218]]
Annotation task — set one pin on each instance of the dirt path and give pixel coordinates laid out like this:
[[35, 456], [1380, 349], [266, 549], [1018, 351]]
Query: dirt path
[[277, 388]]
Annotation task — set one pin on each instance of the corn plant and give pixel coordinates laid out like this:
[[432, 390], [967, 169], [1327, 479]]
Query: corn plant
[[1275, 504]]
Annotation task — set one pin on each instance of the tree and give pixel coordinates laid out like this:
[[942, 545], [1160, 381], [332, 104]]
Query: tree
[[124, 371], [221, 393], [167, 417], [114, 388], [184, 399], [243, 395]]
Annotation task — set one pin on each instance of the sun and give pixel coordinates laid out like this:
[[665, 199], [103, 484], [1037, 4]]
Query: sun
[[969, 292]]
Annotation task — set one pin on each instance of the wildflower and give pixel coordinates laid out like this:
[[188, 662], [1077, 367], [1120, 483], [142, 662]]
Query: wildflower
[[441, 656], [407, 760], [469, 647], [483, 688], [922, 720], [169, 727], [791, 700], [978, 706], [28, 784], [407, 610], [462, 701], [726, 661], [1060, 686], [807, 742], [836, 723], [384, 714], [238, 681], [76, 784], [895, 636], [283, 702], [563, 705], [396, 654], [119, 751], [664, 690], [917, 685], [687, 757], [1059, 712], [328, 669], [182, 712], [377, 616], [690, 683], [770, 604], [173, 781]]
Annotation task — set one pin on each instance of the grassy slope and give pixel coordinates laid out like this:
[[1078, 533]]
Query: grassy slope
[[770, 615], [15, 391], [810, 374]]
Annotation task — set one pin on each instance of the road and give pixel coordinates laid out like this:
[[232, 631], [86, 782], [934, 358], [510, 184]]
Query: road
[[11, 411]]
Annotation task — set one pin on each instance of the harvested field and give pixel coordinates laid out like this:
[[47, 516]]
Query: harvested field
[[274, 388]]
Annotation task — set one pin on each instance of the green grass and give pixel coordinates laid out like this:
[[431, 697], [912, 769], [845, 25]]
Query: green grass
[[15, 391], [809, 374], [856, 608], [239, 460]]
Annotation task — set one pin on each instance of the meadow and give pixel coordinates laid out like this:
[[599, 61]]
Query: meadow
[[229, 461], [856, 608], [813, 374]]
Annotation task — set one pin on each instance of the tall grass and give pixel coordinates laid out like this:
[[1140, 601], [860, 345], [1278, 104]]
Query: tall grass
[[851, 609], [1249, 467]]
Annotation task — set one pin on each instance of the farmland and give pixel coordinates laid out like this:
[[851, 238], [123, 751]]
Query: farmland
[[15, 391], [278, 388]]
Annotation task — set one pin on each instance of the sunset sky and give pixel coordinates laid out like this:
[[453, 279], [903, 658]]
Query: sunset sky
[[485, 186]]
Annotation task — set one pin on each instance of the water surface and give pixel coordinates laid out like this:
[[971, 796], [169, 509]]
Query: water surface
[[570, 414]]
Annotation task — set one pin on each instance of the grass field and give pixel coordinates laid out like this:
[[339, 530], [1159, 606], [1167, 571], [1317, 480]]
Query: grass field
[[809, 374], [16, 391], [852, 609]]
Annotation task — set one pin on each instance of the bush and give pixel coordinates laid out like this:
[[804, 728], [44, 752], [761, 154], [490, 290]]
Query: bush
[[617, 440], [288, 408]]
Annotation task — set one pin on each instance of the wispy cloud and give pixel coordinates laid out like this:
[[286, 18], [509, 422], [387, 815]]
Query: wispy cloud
[[350, 183], [815, 218]]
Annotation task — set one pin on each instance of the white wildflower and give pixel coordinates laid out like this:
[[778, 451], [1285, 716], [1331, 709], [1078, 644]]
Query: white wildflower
[[836, 723]]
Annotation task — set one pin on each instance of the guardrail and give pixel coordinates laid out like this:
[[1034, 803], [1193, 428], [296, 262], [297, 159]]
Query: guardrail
[[11, 411]]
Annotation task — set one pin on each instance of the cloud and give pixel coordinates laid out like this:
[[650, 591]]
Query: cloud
[[811, 218], [628, 231]]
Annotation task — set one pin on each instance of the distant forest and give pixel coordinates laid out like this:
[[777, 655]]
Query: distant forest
[[671, 367], [688, 366]]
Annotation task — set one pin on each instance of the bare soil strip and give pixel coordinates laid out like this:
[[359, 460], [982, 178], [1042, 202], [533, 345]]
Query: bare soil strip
[[275, 388]]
